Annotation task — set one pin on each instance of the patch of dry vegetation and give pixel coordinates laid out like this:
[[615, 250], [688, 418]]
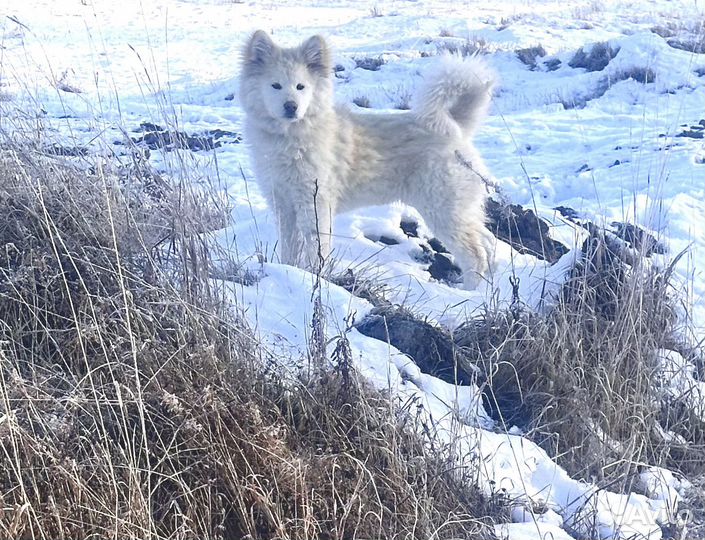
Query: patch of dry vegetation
[[135, 404], [584, 378]]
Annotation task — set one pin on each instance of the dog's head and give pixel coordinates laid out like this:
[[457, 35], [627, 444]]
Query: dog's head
[[284, 83]]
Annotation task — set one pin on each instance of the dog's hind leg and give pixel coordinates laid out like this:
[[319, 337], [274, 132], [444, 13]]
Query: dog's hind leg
[[469, 245], [467, 239]]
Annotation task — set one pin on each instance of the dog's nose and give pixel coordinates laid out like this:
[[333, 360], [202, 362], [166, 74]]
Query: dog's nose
[[290, 109]]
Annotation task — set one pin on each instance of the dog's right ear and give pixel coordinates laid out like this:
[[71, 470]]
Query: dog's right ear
[[259, 49]]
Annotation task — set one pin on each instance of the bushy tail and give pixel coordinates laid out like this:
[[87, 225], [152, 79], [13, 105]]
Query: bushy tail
[[454, 96]]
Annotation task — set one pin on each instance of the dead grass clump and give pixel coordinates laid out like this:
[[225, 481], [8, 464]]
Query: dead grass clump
[[134, 404], [596, 59], [463, 48], [529, 56], [686, 36], [362, 285], [694, 44], [643, 75], [362, 102], [369, 63], [582, 379]]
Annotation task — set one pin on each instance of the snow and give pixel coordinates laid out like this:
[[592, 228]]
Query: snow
[[530, 531], [598, 142], [680, 381]]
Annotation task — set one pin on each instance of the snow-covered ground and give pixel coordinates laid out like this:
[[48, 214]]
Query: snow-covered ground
[[608, 146]]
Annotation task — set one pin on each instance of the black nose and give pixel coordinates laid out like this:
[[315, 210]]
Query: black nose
[[290, 109]]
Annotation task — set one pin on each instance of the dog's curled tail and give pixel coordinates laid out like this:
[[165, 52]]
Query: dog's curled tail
[[454, 96]]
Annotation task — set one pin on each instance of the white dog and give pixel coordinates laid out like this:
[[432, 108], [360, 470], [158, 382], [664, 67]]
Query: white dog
[[314, 159]]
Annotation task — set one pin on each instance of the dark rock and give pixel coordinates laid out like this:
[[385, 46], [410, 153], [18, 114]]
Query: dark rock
[[584, 167], [426, 255], [523, 230], [695, 132], [443, 269], [567, 212], [440, 265], [437, 246], [410, 228], [387, 240], [431, 348], [692, 133]]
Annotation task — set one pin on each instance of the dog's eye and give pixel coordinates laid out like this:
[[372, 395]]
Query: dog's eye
[[300, 86], [277, 86]]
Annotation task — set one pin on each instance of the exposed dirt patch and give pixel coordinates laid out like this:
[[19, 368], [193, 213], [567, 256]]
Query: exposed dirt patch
[[369, 63], [638, 238], [431, 348], [693, 132], [435, 254], [156, 137], [523, 230]]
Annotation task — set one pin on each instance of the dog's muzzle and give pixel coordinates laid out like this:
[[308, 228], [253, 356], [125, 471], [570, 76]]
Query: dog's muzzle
[[290, 109]]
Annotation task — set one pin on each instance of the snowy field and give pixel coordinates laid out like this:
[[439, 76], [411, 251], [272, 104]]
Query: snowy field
[[621, 144]]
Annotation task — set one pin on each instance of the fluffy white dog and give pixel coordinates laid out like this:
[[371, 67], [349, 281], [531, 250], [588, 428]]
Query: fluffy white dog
[[314, 159]]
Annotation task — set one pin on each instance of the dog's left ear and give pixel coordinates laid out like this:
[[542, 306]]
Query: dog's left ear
[[317, 55]]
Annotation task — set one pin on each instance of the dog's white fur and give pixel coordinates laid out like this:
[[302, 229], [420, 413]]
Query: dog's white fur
[[314, 159]]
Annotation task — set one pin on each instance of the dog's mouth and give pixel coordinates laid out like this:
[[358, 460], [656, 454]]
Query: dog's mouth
[[291, 116]]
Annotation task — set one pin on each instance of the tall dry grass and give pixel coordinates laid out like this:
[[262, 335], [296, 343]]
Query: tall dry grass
[[136, 404], [584, 377]]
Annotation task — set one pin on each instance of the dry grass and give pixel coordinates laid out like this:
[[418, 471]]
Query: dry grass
[[596, 59], [135, 404], [583, 378], [363, 102], [467, 47]]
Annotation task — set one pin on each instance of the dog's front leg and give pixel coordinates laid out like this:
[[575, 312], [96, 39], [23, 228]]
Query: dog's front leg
[[290, 241], [315, 223], [304, 223]]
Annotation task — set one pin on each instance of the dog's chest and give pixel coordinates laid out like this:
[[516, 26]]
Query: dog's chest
[[284, 159]]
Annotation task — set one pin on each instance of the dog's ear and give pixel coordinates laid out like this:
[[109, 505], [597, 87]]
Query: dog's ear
[[317, 55], [260, 48]]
